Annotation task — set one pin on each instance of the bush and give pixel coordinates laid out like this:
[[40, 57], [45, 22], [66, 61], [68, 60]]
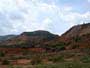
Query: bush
[[10, 66], [36, 61], [57, 59], [85, 59], [58, 47], [77, 39], [5, 62], [25, 52], [2, 54]]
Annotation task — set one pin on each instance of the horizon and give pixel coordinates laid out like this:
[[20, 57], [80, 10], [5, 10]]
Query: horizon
[[30, 31], [45, 30], [55, 16]]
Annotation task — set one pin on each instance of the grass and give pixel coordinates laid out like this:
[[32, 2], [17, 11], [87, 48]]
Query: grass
[[65, 65], [58, 65]]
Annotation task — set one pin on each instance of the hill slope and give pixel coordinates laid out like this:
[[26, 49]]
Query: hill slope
[[30, 39], [78, 30], [3, 38], [77, 37]]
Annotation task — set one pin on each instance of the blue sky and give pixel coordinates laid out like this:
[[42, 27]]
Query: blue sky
[[56, 16]]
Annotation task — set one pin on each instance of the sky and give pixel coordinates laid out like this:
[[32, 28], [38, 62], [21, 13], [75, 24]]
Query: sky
[[56, 16]]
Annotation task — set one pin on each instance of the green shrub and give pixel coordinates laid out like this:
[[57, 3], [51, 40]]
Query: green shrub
[[59, 46], [77, 39], [56, 59], [2, 54], [10, 66], [36, 61], [25, 52], [5, 62], [85, 59]]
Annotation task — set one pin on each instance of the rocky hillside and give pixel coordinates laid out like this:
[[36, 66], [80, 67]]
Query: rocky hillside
[[77, 37], [78, 30], [3, 38], [29, 39]]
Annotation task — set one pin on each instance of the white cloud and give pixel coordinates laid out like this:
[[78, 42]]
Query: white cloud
[[29, 15], [75, 17]]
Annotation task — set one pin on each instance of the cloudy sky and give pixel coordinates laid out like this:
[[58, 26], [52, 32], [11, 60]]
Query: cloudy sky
[[56, 16]]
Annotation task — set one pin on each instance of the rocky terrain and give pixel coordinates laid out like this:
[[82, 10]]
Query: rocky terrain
[[43, 47]]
